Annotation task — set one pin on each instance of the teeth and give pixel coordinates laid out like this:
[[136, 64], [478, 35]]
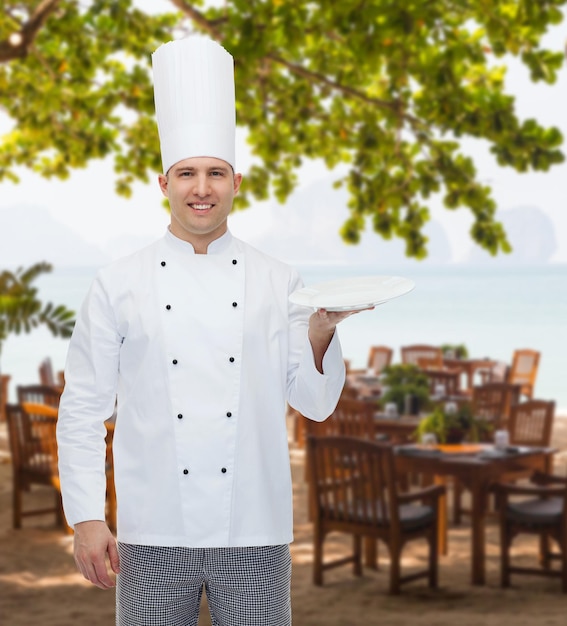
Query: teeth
[[201, 207]]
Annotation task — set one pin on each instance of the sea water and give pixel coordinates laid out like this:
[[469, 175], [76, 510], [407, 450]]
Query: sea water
[[492, 312]]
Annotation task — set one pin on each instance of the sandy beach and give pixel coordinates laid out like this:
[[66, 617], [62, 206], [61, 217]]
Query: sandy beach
[[39, 583]]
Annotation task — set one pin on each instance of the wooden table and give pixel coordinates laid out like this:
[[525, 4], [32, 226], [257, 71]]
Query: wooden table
[[468, 368], [399, 429], [477, 472]]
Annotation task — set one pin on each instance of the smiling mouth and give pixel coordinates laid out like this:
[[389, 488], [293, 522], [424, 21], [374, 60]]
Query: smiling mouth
[[201, 207]]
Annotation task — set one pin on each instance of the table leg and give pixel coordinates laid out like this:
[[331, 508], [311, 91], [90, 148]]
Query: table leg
[[478, 547], [443, 524]]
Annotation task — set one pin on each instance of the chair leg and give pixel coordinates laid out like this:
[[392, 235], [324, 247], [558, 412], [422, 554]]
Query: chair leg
[[318, 540], [457, 497], [16, 505], [357, 554], [371, 553], [505, 546], [433, 557], [395, 568]]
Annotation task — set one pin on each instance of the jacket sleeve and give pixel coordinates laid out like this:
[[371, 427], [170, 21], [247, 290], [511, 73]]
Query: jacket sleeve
[[313, 394], [91, 373]]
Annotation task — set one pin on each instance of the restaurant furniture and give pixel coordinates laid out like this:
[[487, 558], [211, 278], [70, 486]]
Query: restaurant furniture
[[47, 377], [492, 402], [379, 357], [538, 509], [477, 467], [531, 423], [523, 370], [39, 394], [4, 396], [351, 418], [400, 429], [33, 448], [445, 379], [430, 356], [355, 491], [471, 370], [367, 382]]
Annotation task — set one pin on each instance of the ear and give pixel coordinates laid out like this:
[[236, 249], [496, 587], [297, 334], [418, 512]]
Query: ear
[[162, 179], [237, 182]]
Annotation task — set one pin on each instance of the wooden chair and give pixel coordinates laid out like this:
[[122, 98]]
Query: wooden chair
[[39, 394], [449, 379], [33, 447], [523, 370], [541, 511], [355, 492], [379, 357], [492, 402], [47, 377], [531, 423], [351, 418], [429, 356]]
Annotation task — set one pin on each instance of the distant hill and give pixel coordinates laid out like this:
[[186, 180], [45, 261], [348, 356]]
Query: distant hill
[[28, 234]]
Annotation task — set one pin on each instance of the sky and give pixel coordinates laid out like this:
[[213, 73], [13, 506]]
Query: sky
[[87, 204]]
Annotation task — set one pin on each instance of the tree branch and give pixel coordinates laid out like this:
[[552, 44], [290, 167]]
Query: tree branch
[[10, 50], [207, 25], [198, 18]]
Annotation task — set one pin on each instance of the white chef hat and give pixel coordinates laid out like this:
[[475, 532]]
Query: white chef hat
[[194, 100]]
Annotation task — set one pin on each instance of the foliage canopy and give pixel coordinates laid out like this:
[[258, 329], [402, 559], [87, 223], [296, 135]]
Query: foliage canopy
[[387, 89], [21, 310]]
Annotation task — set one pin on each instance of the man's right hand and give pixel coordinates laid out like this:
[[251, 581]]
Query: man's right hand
[[93, 542]]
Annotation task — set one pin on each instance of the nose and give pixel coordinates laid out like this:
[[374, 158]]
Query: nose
[[201, 186]]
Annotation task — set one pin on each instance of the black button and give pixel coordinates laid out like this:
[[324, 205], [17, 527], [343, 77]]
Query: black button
[[235, 304], [231, 359], [168, 306], [163, 263], [185, 471], [174, 361], [228, 414], [234, 261], [180, 416], [223, 470]]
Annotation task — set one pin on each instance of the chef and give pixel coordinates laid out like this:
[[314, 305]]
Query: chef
[[196, 341]]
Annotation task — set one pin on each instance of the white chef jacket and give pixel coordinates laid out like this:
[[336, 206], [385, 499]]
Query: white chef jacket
[[203, 351]]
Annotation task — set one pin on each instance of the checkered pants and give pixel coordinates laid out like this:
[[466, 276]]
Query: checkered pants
[[162, 586]]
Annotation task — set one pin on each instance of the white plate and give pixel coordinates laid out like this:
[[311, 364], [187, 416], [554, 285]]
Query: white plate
[[352, 294]]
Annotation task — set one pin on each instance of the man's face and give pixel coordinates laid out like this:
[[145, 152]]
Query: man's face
[[200, 191]]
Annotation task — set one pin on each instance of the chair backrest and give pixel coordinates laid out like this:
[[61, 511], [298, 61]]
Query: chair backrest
[[493, 401], [351, 418], [379, 357], [39, 394], [33, 442], [531, 423], [354, 481], [449, 379], [46, 376], [422, 355], [523, 370]]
